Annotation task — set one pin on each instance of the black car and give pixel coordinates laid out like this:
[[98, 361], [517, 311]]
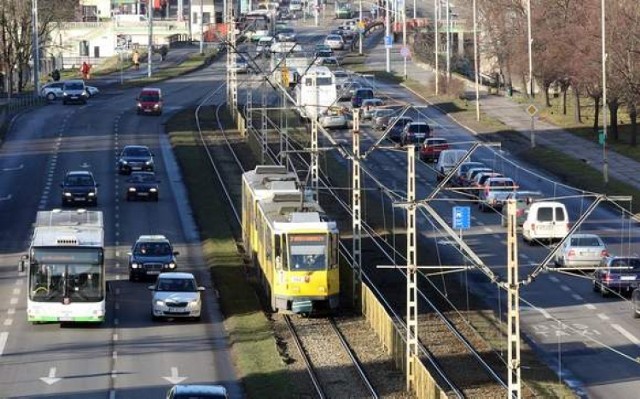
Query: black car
[[134, 158], [150, 256], [397, 127], [617, 273], [79, 187], [142, 185]]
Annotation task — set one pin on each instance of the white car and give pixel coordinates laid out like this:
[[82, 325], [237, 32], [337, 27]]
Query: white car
[[335, 42], [581, 251], [335, 119], [176, 294], [52, 91], [92, 90]]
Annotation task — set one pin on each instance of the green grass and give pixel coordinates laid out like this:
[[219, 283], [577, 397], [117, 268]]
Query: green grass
[[255, 354], [192, 63]]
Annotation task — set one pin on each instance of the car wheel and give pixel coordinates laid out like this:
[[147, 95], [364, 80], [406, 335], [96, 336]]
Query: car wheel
[[132, 277], [636, 315], [154, 317], [595, 286], [51, 96], [64, 102], [604, 291], [197, 318], [155, 198]]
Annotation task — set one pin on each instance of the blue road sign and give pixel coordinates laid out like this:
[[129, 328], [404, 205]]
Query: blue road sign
[[461, 217], [388, 41]]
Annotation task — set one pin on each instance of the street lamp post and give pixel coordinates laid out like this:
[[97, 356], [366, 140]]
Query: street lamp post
[[201, 27], [387, 34], [36, 48], [475, 58], [360, 30], [437, 42], [530, 41], [605, 163], [448, 42], [150, 45]]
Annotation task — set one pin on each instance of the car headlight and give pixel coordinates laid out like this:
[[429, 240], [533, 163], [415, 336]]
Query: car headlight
[[148, 162], [171, 265], [132, 189], [64, 93], [67, 194], [153, 189], [139, 105], [92, 194], [159, 303], [135, 265], [156, 106], [122, 161]]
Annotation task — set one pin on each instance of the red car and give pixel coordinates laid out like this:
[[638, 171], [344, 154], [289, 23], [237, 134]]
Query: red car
[[431, 148], [149, 101]]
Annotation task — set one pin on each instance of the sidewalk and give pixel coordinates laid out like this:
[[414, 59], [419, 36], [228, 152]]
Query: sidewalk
[[515, 116]]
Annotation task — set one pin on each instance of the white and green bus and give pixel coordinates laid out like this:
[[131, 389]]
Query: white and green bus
[[65, 267]]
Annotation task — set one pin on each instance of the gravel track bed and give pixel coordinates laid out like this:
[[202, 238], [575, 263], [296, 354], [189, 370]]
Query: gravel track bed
[[335, 370]]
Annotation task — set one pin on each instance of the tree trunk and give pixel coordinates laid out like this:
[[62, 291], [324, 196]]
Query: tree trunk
[[633, 117], [564, 99], [613, 112], [596, 113], [547, 100], [577, 113]]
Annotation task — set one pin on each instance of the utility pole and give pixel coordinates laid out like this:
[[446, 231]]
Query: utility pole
[[36, 48], [232, 76], [437, 44], [513, 304], [530, 41], [201, 27], [150, 46], [360, 30], [357, 209], [387, 35], [412, 268], [448, 42], [475, 58], [315, 178], [264, 127], [605, 163]]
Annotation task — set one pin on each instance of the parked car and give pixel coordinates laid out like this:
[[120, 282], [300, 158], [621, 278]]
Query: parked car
[[79, 187], [143, 185], [335, 42], [460, 176], [176, 295], [74, 91], [546, 220], [447, 160], [617, 273], [151, 255], [149, 101], [369, 105], [381, 117], [52, 91], [135, 158], [494, 192], [432, 147], [523, 199], [470, 178], [397, 124], [581, 251], [414, 133], [360, 95], [197, 392]]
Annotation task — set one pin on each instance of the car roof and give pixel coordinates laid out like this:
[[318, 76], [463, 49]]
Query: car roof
[[184, 275], [152, 238], [435, 139], [79, 173], [584, 235], [414, 123], [136, 146]]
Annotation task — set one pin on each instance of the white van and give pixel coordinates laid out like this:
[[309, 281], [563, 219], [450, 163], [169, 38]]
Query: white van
[[295, 5], [545, 220], [447, 160]]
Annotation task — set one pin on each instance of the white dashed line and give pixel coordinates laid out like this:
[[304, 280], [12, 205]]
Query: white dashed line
[[13, 301], [626, 334], [544, 313], [116, 322], [603, 316], [8, 322], [114, 355], [590, 306], [16, 291], [115, 337], [554, 279], [576, 297], [3, 341], [112, 394], [565, 288], [19, 282], [11, 311]]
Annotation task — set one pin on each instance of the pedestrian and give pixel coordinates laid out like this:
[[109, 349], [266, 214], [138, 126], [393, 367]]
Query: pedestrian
[[55, 75], [163, 52], [136, 59], [84, 70]]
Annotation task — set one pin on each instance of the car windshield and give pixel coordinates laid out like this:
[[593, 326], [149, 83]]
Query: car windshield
[[74, 86], [435, 142], [149, 97], [75, 180], [136, 152], [334, 38], [626, 262], [152, 249], [585, 242], [421, 128], [143, 178], [176, 285]]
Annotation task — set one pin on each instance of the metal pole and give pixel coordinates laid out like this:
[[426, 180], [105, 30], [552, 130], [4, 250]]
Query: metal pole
[[448, 42], [179, 15], [150, 46], [414, 10], [412, 283], [316, 12], [532, 134], [357, 217], [404, 36], [530, 52], [605, 164], [513, 304], [387, 34], [437, 44], [121, 62], [475, 59], [201, 27], [360, 31], [36, 48]]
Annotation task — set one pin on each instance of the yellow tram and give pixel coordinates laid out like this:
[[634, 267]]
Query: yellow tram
[[291, 241]]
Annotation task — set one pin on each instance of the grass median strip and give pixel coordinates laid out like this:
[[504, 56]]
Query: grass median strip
[[256, 356]]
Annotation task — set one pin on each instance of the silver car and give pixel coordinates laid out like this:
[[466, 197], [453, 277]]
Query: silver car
[[51, 91], [581, 251], [176, 295]]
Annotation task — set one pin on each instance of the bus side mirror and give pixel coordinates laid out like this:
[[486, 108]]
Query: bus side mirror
[[22, 263]]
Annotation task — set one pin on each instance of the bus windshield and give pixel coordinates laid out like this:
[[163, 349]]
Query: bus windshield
[[66, 275], [308, 252]]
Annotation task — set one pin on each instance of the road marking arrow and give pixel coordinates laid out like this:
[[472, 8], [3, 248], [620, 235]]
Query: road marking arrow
[[51, 379], [175, 379]]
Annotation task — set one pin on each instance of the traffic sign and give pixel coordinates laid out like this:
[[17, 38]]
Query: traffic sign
[[405, 52], [601, 137], [388, 41], [461, 217], [532, 110]]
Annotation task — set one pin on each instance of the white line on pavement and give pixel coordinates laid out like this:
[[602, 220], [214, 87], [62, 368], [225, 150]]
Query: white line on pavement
[[590, 306], [3, 341], [565, 288], [626, 334], [577, 297], [603, 316], [554, 279], [544, 313]]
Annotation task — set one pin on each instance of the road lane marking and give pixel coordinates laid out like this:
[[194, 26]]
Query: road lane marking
[[603, 316], [112, 394], [590, 306], [8, 322], [16, 291], [51, 379], [544, 313], [577, 297], [114, 355], [115, 337], [626, 334], [554, 279], [11, 311], [3, 341], [13, 301], [565, 288]]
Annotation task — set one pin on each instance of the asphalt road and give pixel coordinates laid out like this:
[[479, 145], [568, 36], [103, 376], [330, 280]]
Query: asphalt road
[[128, 356]]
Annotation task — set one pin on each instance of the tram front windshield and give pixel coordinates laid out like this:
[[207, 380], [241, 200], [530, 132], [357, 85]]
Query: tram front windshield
[[307, 252], [66, 275]]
